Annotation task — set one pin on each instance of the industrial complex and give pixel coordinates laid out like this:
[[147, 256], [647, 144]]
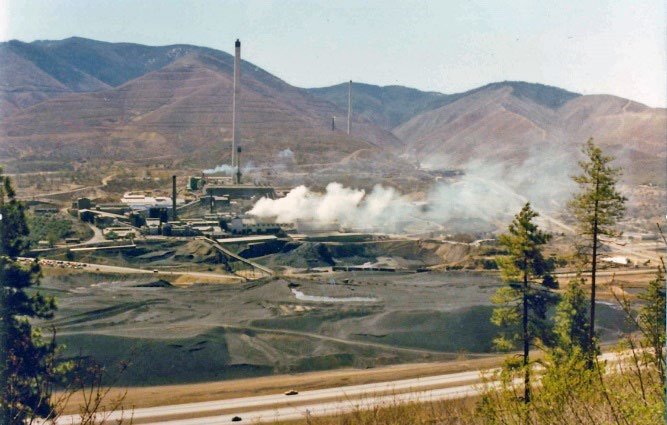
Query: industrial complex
[[212, 208]]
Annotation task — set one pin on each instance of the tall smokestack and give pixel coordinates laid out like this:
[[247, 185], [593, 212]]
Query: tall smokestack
[[173, 198], [236, 100], [238, 165], [349, 108]]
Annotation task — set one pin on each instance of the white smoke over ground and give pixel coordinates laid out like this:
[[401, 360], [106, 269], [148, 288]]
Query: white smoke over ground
[[381, 208], [229, 170], [223, 169], [484, 198], [472, 199], [493, 190], [543, 176], [286, 154]]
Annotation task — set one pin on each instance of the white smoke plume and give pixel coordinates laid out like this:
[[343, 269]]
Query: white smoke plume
[[485, 198], [382, 207], [229, 170], [286, 154], [223, 168]]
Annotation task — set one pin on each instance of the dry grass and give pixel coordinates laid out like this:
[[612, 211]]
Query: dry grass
[[186, 279], [444, 412]]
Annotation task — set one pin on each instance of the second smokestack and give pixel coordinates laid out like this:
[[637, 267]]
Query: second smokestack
[[235, 101], [173, 199]]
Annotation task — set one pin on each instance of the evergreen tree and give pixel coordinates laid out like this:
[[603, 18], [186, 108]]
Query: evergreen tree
[[27, 370], [597, 208], [651, 320], [521, 307], [572, 321]]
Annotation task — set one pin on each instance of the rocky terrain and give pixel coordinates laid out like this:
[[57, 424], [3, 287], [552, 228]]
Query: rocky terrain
[[200, 333]]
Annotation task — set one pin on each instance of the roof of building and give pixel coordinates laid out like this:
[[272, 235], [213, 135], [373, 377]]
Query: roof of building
[[247, 239]]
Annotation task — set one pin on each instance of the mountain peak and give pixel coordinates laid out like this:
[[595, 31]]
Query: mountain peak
[[542, 94]]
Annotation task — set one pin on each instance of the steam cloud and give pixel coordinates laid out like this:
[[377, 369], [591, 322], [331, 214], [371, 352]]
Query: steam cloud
[[286, 154], [228, 169], [223, 168], [485, 198], [382, 207]]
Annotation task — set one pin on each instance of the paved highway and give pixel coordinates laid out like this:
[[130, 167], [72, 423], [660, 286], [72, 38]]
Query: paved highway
[[328, 401], [613, 272]]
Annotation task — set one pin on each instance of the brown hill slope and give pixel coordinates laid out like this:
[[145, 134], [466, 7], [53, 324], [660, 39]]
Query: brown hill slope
[[184, 109], [495, 125], [391, 106], [33, 72], [24, 84]]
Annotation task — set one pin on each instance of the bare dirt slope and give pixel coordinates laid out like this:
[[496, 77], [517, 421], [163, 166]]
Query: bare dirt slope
[[501, 124], [182, 108]]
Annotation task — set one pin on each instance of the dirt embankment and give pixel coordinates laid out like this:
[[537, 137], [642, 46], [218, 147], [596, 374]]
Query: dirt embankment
[[397, 253]]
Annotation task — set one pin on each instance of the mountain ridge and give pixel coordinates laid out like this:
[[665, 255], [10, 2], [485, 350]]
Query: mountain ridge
[[184, 107], [78, 98]]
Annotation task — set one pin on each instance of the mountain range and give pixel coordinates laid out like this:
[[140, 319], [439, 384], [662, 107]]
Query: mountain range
[[78, 98]]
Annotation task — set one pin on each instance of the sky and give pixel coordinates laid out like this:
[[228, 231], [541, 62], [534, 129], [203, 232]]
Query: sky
[[586, 46]]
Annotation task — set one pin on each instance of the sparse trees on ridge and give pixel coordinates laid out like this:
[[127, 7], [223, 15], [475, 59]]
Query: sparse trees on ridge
[[597, 208]]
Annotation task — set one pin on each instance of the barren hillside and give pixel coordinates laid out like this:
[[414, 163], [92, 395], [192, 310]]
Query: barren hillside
[[499, 123], [182, 108]]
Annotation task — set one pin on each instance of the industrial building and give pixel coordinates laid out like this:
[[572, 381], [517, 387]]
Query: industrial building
[[313, 227], [141, 201], [152, 227], [240, 191], [245, 226]]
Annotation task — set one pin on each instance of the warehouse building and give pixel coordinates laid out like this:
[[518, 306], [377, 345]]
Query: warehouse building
[[246, 226]]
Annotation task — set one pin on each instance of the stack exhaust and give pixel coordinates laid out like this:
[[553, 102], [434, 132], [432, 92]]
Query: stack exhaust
[[235, 102]]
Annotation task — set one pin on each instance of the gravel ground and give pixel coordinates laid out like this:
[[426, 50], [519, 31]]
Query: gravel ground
[[211, 332]]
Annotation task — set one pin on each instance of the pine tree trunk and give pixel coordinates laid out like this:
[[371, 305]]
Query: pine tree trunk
[[526, 341], [591, 330]]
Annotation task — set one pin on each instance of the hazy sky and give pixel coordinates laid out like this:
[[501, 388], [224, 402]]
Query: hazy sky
[[588, 46]]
